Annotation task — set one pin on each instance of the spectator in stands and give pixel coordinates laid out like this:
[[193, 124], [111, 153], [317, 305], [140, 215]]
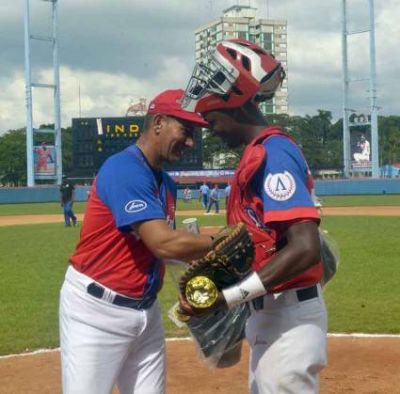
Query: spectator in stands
[[214, 199], [203, 195]]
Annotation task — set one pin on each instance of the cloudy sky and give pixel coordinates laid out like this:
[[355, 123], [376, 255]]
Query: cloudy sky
[[116, 51]]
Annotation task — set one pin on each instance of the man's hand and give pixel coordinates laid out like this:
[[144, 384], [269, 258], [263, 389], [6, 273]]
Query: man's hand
[[187, 310]]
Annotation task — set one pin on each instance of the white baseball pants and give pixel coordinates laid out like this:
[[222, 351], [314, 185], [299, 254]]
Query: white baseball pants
[[104, 344], [288, 344]]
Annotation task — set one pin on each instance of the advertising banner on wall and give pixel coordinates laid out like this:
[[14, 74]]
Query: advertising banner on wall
[[360, 142], [44, 161]]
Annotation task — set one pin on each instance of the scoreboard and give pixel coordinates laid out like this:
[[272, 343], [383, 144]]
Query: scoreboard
[[95, 139]]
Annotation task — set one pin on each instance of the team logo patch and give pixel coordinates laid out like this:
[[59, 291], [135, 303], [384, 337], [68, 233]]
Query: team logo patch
[[135, 206], [280, 186]]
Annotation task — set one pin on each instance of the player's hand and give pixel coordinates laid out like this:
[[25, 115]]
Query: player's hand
[[188, 310]]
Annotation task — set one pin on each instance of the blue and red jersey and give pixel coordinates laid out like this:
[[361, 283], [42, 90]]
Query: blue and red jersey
[[271, 190], [126, 191]]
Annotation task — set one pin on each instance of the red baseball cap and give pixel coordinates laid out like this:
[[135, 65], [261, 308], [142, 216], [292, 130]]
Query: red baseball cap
[[169, 103]]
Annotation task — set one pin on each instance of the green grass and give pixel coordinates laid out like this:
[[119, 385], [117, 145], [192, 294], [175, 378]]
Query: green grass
[[363, 297], [32, 265], [360, 201], [79, 207], [45, 208]]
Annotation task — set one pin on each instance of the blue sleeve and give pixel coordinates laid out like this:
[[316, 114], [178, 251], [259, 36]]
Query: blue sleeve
[[282, 182], [129, 189]]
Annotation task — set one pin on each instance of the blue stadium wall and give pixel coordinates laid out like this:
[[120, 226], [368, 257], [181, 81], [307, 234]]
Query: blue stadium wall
[[322, 188]]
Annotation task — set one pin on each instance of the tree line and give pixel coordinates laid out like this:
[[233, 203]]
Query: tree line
[[320, 138]]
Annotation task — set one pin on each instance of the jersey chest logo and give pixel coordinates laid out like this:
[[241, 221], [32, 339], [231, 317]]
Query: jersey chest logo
[[135, 206], [280, 186]]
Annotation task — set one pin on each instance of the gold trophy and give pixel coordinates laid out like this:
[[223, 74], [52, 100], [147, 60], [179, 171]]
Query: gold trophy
[[201, 292]]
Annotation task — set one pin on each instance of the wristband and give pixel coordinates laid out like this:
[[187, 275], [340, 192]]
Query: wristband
[[249, 288]]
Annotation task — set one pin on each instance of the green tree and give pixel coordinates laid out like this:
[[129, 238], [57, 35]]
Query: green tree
[[213, 146], [13, 158], [389, 139]]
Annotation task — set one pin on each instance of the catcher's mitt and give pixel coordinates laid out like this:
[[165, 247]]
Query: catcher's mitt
[[227, 263]]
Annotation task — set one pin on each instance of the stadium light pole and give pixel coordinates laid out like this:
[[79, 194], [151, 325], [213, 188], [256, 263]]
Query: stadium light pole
[[373, 108], [28, 93], [346, 129], [373, 94]]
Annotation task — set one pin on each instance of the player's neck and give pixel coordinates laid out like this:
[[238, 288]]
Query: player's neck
[[252, 132], [150, 155]]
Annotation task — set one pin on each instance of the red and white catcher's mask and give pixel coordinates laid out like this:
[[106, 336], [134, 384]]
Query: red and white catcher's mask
[[238, 71]]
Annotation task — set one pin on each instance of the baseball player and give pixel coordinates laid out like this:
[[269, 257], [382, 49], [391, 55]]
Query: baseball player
[[110, 324], [204, 191], [214, 199], [271, 194], [67, 200]]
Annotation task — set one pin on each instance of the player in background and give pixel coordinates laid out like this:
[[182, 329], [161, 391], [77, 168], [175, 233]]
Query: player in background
[[110, 324], [271, 194], [227, 192], [214, 199], [204, 191], [67, 190], [187, 194]]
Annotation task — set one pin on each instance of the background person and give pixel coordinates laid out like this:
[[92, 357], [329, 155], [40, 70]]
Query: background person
[[187, 194], [203, 195], [271, 194], [67, 200], [110, 324], [214, 199], [227, 192]]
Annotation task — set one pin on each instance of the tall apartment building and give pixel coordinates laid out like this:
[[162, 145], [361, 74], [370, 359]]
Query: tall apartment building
[[241, 21]]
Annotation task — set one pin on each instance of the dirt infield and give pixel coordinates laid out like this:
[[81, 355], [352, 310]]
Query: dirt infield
[[356, 365], [328, 211]]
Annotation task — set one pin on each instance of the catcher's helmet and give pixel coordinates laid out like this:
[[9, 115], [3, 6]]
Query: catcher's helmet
[[239, 71]]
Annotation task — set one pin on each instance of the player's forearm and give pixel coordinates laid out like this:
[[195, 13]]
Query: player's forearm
[[183, 245]]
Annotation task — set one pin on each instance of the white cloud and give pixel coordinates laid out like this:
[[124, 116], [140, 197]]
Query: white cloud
[[122, 50]]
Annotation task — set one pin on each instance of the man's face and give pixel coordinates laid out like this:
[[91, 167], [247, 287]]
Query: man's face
[[225, 127], [178, 135]]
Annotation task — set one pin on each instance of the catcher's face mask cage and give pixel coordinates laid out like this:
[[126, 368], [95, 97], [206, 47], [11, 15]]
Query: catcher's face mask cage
[[238, 71]]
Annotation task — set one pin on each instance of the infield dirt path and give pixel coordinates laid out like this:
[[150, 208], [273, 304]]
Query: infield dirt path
[[356, 365], [328, 211]]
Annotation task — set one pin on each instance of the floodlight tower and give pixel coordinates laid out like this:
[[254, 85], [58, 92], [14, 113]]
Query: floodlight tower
[[347, 84], [54, 86]]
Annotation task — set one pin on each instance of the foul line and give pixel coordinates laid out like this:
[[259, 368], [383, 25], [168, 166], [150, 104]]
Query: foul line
[[333, 335]]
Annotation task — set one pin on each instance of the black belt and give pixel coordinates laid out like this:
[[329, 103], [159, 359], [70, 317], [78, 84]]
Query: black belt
[[97, 291], [302, 295]]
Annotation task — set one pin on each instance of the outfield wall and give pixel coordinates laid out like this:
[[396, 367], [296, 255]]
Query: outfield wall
[[357, 187], [322, 188]]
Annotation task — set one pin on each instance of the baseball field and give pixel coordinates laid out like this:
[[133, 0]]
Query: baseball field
[[363, 301]]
